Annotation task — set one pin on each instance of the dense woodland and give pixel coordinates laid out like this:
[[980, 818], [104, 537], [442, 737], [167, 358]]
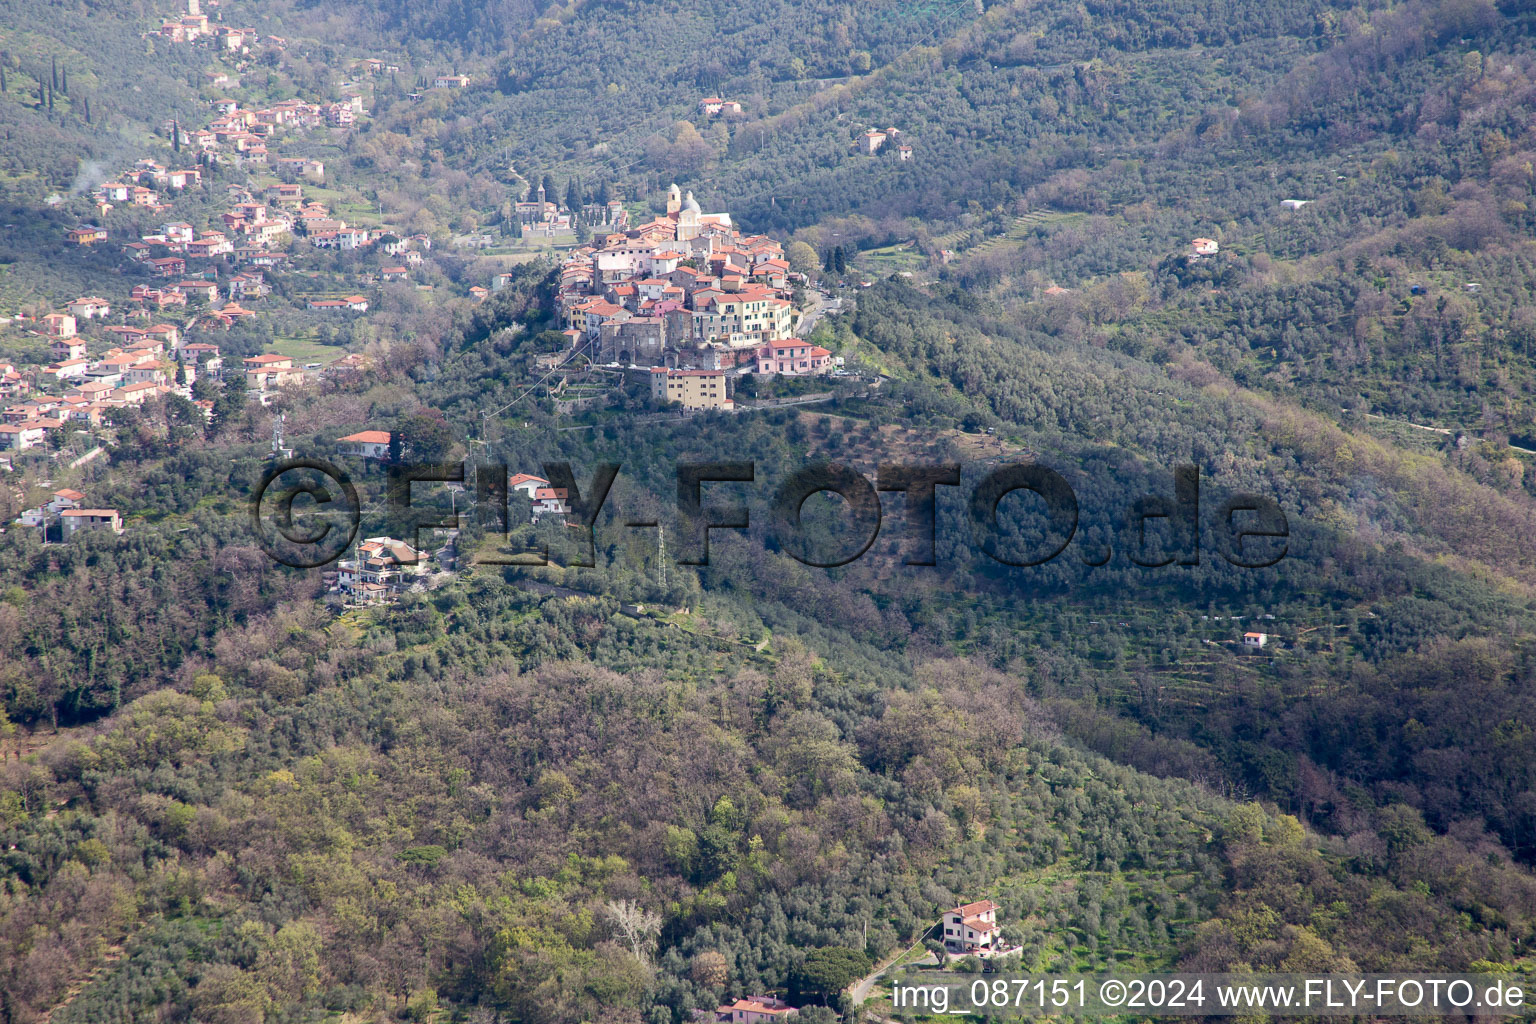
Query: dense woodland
[[226, 798]]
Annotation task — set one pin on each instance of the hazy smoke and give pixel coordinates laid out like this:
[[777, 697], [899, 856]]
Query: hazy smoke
[[91, 174]]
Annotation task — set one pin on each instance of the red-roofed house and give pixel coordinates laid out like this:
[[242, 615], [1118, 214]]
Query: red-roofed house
[[74, 520], [169, 266], [971, 928], [269, 370], [87, 234], [90, 306], [354, 303], [370, 444], [526, 483], [754, 1010], [67, 347]]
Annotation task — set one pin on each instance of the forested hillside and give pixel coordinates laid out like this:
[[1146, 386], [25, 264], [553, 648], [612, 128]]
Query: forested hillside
[[626, 792]]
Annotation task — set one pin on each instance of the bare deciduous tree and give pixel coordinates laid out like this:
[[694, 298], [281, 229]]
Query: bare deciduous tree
[[638, 927]]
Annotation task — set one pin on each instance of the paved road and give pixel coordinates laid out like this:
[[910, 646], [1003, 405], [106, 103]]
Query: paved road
[[820, 306], [866, 984], [1439, 430]]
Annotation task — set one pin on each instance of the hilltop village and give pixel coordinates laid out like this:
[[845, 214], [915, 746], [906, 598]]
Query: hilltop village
[[688, 296]]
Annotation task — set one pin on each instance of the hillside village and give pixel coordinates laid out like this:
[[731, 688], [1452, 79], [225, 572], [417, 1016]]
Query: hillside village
[[684, 304]]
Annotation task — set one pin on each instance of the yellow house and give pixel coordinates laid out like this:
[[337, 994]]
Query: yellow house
[[693, 389]]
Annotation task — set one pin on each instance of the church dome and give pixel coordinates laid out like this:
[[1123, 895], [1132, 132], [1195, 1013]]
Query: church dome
[[691, 204]]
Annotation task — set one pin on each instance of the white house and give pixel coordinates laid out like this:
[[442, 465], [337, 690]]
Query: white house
[[64, 499], [550, 501], [526, 484], [370, 444], [971, 928], [1255, 640], [21, 436], [87, 307], [382, 566]]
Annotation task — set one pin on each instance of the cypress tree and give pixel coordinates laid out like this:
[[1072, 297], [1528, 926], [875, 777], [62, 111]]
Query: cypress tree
[[87, 110], [3, 86], [53, 82], [50, 99], [64, 81]]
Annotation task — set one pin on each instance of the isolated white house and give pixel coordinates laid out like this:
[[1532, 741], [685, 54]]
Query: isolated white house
[[370, 444], [971, 928]]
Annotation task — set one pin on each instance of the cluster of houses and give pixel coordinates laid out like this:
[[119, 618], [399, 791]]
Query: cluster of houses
[[382, 568], [67, 509], [252, 234], [688, 297], [266, 373], [238, 136], [76, 392], [254, 229], [194, 25]]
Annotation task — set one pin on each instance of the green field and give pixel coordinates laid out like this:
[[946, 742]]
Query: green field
[[306, 350], [892, 259]]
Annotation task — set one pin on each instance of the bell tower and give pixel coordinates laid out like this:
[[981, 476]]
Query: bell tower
[[674, 200]]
